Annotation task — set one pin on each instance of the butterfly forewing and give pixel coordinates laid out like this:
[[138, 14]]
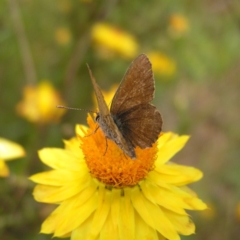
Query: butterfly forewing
[[137, 86], [107, 124]]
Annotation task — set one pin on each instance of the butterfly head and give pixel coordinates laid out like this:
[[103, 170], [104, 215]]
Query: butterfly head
[[97, 118]]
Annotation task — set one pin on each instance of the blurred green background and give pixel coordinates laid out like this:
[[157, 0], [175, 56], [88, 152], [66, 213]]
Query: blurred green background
[[53, 40]]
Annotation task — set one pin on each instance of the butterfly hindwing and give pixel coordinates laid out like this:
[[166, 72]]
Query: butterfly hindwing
[[140, 125]]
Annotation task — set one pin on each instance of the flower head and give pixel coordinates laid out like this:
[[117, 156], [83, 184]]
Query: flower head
[[39, 103], [112, 40], [103, 194], [8, 151]]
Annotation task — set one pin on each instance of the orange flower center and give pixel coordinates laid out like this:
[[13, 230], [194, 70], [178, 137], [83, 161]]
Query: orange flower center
[[108, 163]]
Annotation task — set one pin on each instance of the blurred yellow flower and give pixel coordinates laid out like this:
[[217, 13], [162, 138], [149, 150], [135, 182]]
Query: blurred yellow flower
[[178, 24], [8, 151], [39, 104], [162, 64], [112, 40], [106, 195], [63, 36]]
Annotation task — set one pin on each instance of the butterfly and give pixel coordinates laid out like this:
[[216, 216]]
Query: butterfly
[[131, 121]]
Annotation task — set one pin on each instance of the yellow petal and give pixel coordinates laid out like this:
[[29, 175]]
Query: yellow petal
[[51, 223], [143, 230], [61, 159], [67, 235], [178, 175], [81, 213], [160, 236], [165, 137], [55, 177], [111, 231], [139, 205], [191, 201], [196, 204], [169, 149], [49, 194], [115, 209], [81, 130], [153, 215], [126, 218], [182, 224], [73, 145], [163, 197], [10, 150], [102, 211], [82, 232], [4, 171], [72, 213], [190, 198], [107, 232]]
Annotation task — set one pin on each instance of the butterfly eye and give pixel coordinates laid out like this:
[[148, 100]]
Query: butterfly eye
[[97, 118]]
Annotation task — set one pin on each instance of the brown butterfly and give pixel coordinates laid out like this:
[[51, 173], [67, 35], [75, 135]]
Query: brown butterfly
[[132, 121]]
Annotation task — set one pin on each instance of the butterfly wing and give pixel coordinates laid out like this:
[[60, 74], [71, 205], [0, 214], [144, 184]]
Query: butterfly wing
[[103, 108], [137, 86], [139, 121], [140, 125]]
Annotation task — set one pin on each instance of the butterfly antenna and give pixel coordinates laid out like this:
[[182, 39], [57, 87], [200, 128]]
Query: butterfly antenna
[[78, 109]]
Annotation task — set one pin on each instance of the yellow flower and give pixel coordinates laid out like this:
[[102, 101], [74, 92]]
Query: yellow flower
[[162, 64], [178, 24], [39, 103], [112, 40], [103, 194], [8, 150], [62, 36]]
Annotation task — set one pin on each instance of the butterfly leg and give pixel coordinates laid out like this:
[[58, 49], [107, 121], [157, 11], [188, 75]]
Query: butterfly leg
[[95, 130], [125, 155], [106, 147]]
